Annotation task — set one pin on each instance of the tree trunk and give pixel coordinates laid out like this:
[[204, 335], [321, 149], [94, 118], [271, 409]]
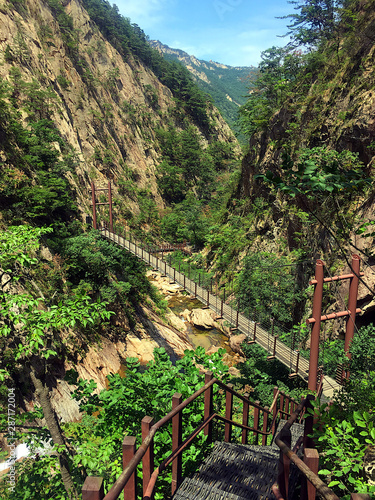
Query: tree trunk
[[42, 393]]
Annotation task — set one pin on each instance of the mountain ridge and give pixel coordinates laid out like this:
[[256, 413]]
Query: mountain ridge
[[226, 84]]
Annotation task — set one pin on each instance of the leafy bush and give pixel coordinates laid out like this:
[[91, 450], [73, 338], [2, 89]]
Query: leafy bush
[[118, 411], [102, 268], [342, 444]]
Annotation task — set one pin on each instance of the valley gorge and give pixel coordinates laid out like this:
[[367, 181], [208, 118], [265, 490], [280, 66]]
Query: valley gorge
[[85, 100]]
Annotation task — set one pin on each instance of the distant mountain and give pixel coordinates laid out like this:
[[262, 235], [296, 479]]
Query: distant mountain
[[226, 84]]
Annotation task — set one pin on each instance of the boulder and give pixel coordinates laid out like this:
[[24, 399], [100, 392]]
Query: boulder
[[203, 318], [235, 342]]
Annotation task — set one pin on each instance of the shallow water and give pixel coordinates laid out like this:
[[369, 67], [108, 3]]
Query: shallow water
[[197, 336]]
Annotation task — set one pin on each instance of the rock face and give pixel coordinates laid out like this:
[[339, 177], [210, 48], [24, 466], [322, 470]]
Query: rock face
[[104, 112], [108, 356]]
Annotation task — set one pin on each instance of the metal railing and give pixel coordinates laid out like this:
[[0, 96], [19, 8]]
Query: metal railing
[[255, 333]]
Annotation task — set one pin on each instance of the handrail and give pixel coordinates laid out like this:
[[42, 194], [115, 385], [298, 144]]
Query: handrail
[[173, 455], [321, 488], [128, 471]]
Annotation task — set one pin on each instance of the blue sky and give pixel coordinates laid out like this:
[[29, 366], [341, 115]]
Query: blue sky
[[232, 32]]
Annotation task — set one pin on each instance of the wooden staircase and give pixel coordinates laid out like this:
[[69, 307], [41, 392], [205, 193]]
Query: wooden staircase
[[286, 469], [235, 472]]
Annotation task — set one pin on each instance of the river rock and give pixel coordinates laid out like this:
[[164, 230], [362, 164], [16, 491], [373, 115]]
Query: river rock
[[163, 284], [176, 321], [203, 318], [235, 342]]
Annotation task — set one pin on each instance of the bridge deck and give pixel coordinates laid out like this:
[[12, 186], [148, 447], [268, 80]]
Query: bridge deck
[[245, 325]]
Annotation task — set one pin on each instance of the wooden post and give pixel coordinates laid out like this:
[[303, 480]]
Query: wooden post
[[265, 422], [287, 403], [176, 441], [282, 414], [275, 389], [208, 406], [284, 464], [256, 422], [245, 418], [93, 488], [228, 414], [128, 451], [311, 459], [148, 457]]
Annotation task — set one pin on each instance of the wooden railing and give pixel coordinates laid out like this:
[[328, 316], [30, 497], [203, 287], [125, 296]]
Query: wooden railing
[[312, 485], [264, 425]]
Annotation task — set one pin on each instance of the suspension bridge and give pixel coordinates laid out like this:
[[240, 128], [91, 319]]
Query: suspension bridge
[[297, 364]]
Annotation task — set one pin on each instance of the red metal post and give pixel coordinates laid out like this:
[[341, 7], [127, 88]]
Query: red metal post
[[245, 418], [93, 488], [110, 206], [176, 441], [93, 206], [148, 458], [208, 406], [128, 451], [228, 414], [352, 303], [315, 331]]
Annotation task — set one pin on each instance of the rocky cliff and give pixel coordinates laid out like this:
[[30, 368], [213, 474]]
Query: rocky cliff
[[105, 106]]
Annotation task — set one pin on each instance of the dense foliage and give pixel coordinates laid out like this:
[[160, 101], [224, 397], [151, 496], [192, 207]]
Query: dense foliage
[[118, 411], [226, 85], [34, 158], [345, 431]]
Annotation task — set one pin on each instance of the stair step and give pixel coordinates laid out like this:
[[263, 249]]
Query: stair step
[[296, 431], [233, 472]]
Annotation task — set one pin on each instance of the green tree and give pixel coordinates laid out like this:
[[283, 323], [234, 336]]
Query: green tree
[[31, 327], [315, 21]]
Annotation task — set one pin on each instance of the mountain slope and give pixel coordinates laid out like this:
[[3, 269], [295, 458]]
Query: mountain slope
[[226, 84], [104, 102]]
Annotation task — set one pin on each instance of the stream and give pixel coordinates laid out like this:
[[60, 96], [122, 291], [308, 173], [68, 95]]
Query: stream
[[198, 337]]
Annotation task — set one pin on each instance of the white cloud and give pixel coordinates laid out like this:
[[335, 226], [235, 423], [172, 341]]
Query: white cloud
[[145, 13]]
